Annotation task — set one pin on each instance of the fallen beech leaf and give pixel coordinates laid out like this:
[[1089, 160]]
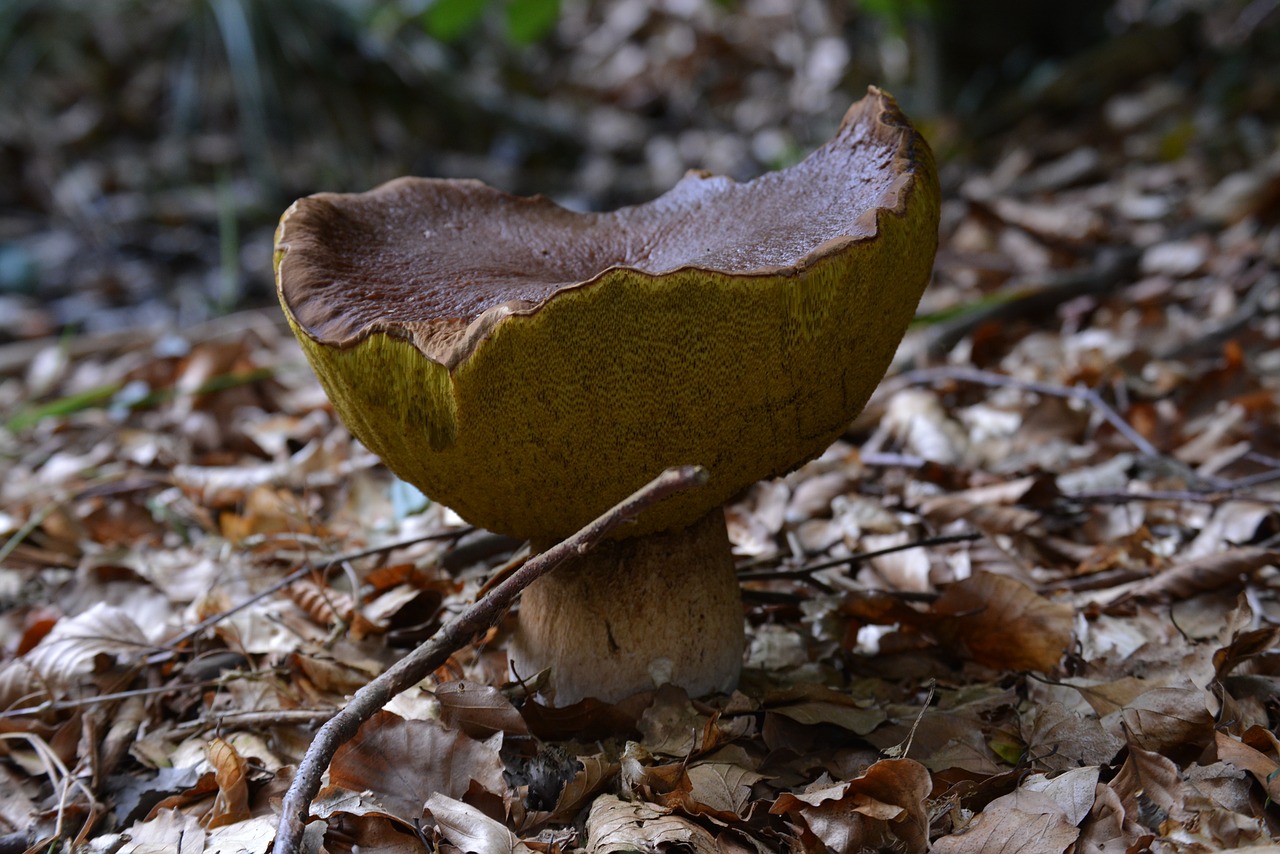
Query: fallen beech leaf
[[672, 726], [846, 716], [587, 720], [404, 762], [722, 789], [231, 773], [1148, 775], [1222, 784], [1108, 697], [886, 805], [1073, 791], [1244, 645], [1061, 739], [615, 826], [251, 836], [1105, 830], [1002, 623], [478, 710], [168, 830], [1262, 767], [1165, 719], [1202, 575], [1021, 821], [69, 654], [988, 518], [470, 829], [1061, 222]]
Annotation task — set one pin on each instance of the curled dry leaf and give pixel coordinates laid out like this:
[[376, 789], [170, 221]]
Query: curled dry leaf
[[168, 830], [470, 829], [1260, 766], [1149, 776], [1073, 791], [1002, 623], [404, 762], [230, 771], [69, 654], [615, 826], [1202, 575], [1024, 820], [884, 806], [1105, 830], [324, 605]]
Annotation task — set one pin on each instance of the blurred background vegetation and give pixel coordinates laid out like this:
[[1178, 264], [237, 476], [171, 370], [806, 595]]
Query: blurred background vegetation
[[146, 149]]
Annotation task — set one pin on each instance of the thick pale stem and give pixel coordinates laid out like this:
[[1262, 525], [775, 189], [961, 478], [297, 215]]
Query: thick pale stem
[[634, 614]]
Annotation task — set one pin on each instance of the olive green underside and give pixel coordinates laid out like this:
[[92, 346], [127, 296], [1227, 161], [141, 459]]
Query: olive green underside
[[563, 412]]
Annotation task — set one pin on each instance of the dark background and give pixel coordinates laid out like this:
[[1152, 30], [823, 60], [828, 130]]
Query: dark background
[[146, 149]]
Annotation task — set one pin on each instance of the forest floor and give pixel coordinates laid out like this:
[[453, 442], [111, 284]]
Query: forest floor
[[1027, 603]]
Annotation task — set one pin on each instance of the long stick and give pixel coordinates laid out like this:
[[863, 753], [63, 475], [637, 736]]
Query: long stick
[[420, 663]]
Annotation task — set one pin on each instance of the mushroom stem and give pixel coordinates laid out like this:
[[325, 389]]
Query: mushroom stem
[[636, 613]]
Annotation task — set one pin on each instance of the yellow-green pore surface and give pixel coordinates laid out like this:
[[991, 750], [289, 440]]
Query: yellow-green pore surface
[[558, 411]]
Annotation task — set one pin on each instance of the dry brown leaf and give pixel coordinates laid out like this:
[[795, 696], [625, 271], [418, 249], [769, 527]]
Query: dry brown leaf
[[1108, 697], [404, 762], [1070, 223], [1223, 785], [1167, 719], [672, 726], [1073, 790], [230, 770], [615, 826], [67, 657], [886, 805], [1202, 575], [1002, 623], [988, 518], [470, 829], [1022, 821], [478, 710], [1060, 739], [588, 720], [851, 717], [251, 836], [1244, 645], [1105, 830], [1263, 768], [324, 605], [1150, 776], [719, 789], [168, 830]]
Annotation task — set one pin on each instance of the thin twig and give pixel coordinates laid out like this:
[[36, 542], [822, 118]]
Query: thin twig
[[801, 571], [420, 663], [256, 720]]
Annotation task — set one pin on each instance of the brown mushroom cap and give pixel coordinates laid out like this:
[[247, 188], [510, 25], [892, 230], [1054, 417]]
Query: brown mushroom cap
[[530, 366]]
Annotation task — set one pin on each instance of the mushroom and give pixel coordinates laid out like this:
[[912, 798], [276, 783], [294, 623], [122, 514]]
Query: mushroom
[[530, 366]]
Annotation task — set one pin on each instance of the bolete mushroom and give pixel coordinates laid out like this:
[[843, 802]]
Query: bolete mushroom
[[530, 366]]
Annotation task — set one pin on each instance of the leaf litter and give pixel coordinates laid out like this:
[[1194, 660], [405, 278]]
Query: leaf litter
[[199, 565]]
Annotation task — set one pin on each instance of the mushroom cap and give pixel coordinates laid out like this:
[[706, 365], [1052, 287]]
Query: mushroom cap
[[530, 366]]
